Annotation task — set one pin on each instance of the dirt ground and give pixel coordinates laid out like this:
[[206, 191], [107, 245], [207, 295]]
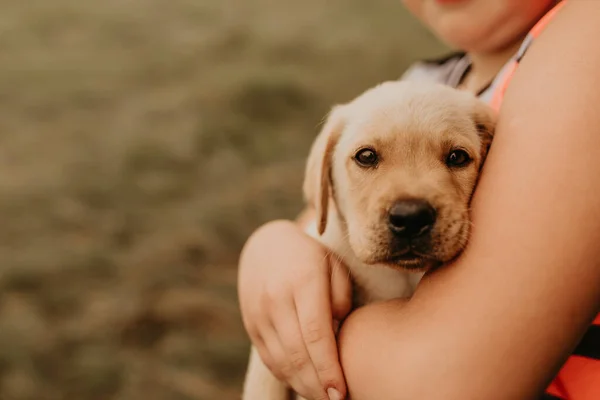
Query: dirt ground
[[141, 141]]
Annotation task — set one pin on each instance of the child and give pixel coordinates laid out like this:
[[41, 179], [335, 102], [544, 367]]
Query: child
[[498, 295]]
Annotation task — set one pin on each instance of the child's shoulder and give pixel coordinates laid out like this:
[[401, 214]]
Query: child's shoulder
[[447, 69]]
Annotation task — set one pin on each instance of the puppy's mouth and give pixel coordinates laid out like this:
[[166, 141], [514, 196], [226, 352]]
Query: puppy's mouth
[[406, 257], [409, 252], [409, 259]]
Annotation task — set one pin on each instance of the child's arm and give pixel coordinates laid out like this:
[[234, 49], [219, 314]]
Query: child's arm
[[290, 290], [499, 322]]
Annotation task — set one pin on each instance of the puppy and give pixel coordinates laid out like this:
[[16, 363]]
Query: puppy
[[391, 177]]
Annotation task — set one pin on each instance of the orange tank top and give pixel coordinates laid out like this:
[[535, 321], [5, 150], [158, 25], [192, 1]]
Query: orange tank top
[[579, 377]]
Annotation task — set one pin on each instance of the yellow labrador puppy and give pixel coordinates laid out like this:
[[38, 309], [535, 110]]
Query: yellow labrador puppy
[[391, 177]]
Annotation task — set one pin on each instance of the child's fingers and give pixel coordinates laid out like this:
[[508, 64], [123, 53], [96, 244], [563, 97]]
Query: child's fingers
[[275, 359], [298, 359], [265, 355], [314, 314]]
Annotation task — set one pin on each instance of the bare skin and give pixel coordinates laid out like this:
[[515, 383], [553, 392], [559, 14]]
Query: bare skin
[[499, 322]]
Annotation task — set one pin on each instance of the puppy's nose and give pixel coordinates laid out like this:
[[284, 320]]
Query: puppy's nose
[[411, 218]]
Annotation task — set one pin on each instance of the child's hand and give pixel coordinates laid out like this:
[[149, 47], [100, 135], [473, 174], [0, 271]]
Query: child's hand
[[291, 290]]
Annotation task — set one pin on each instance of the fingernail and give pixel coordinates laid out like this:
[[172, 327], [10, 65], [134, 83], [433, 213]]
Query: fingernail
[[334, 394]]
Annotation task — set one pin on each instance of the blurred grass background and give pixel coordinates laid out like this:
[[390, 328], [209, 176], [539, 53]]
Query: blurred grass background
[[141, 141]]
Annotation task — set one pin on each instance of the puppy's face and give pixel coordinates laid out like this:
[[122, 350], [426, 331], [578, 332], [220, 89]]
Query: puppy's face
[[400, 163]]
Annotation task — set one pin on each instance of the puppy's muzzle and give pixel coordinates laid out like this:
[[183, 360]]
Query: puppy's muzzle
[[411, 218]]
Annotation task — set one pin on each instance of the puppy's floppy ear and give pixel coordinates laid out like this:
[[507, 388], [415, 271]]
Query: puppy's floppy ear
[[485, 119], [317, 176]]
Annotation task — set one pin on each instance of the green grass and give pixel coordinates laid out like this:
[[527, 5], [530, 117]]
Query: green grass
[[141, 141]]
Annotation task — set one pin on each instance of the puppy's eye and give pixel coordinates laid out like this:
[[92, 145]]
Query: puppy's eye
[[458, 158], [366, 157]]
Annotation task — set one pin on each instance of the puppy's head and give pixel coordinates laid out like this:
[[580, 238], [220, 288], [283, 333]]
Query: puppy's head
[[400, 163]]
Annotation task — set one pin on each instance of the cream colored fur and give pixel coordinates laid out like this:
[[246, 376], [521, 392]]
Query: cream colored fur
[[413, 126]]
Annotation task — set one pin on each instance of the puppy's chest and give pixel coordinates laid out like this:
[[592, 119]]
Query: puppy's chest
[[379, 283]]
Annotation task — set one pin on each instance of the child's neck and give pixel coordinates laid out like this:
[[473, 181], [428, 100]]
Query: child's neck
[[485, 66]]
